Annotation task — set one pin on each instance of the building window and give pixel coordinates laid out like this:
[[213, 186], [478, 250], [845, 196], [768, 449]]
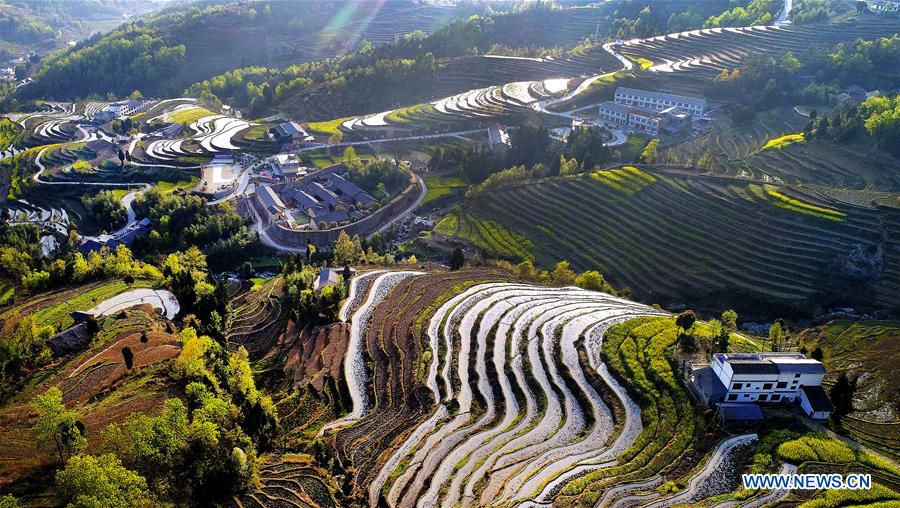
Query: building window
[[776, 397], [736, 386], [782, 384], [767, 386], [797, 375], [764, 397], [732, 397]]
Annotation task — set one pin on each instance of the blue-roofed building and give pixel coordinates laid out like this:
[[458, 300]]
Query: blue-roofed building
[[762, 378], [739, 414], [815, 403], [293, 131]]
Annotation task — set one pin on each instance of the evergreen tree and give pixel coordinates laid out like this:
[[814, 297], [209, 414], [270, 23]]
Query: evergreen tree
[[457, 260]]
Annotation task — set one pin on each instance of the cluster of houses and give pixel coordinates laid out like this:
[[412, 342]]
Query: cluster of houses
[[651, 112], [8, 72], [737, 384], [884, 6], [321, 201]]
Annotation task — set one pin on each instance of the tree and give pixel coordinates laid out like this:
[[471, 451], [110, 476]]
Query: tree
[[651, 152], [525, 270], [121, 158], [247, 270], [775, 334], [412, 260], [563, 275], [8, 501], [89, 481], [842, 395], [144, 337], [57, 426], [685, 320], [594, 281], [817, 354], [729, 326], [128, 356], [344, 250], [729, 321], [457, 260]]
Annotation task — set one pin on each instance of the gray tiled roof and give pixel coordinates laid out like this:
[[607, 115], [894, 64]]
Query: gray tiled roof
[[661, 96]]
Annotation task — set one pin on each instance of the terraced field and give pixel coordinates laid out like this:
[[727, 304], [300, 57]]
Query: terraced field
[[485, 392], [689, 237], [699, 55], [475, 90]]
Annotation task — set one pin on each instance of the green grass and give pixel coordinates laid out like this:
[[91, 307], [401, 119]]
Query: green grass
[[783, 141], [170, 187], [488, 235], [795, 205], [257, 132], [329, 127], [258, 283], [82, 167], [59, 316], [7, 293], [440, 186], [187, 116]]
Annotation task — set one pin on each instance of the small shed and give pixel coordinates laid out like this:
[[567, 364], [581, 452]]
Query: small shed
[[815, 403], [331, 277], [739, 414]]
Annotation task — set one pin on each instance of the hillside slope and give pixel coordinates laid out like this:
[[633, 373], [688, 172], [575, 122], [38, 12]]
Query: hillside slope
[[162, 54], [676, 236]]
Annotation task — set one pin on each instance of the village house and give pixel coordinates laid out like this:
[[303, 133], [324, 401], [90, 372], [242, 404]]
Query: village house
[[288, 165], [752, 378], [292, 131], [659, 101], [498, 139], [125, 236]]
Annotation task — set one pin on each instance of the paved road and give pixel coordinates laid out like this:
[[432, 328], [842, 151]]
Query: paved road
[[392, 140], [127, 200], [410, 208]]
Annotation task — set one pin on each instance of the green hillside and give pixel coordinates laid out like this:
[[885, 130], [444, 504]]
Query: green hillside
[[677, 237]]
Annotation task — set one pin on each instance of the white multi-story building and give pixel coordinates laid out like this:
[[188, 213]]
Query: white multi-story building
[[659, 101], [650, 121], [126, 108], [764, 378]]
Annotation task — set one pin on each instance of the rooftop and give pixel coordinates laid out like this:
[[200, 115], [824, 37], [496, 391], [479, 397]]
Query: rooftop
[[817, 398], [746, 412], [660, 96], [770, 363]]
